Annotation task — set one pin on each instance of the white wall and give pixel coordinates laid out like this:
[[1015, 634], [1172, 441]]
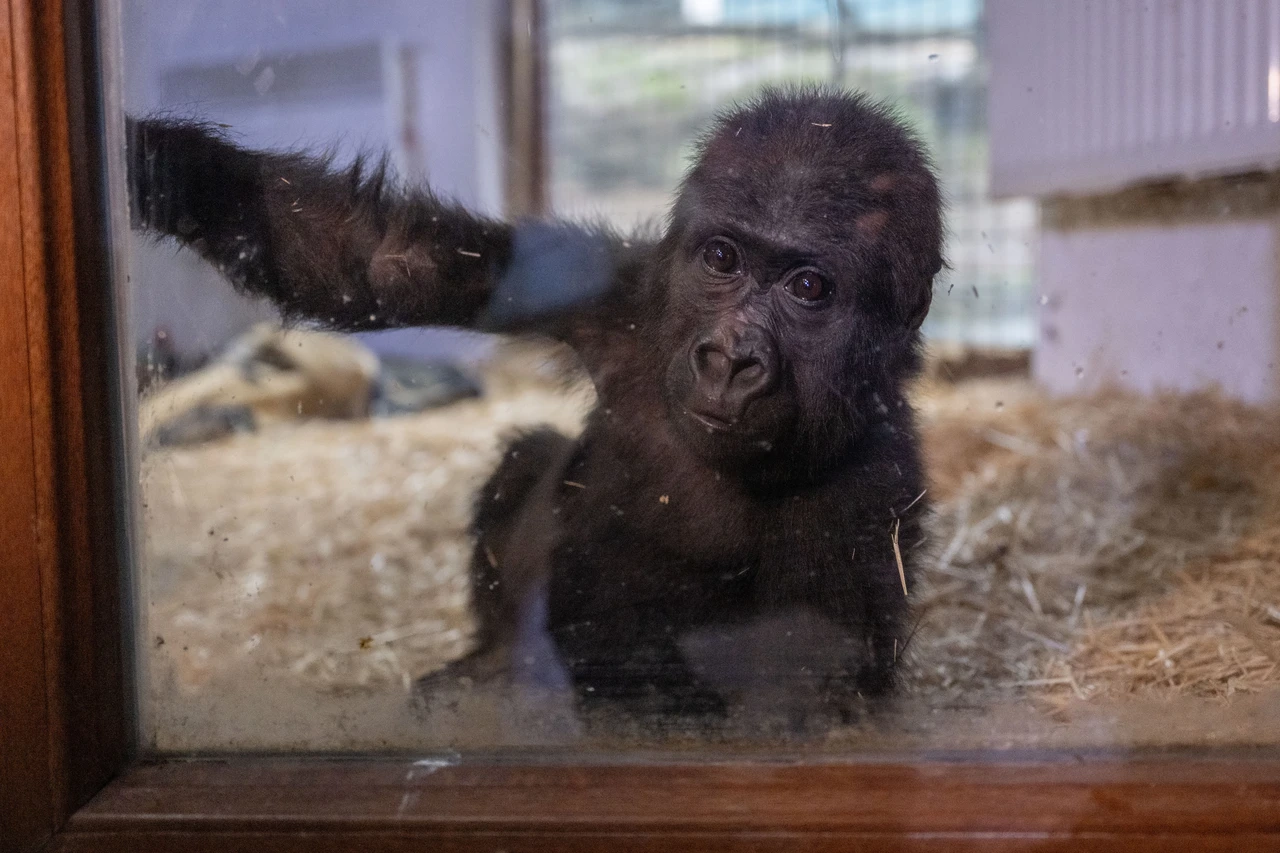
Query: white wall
[[1162, 306], [1091, 95]]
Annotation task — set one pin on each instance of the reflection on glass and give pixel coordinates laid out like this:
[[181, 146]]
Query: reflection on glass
[[683, 472]]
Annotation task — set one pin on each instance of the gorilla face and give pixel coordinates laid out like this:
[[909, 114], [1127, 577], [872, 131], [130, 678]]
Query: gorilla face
[[797, 269]]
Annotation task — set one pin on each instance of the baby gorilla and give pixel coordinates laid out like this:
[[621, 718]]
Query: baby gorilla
[[737, 522]]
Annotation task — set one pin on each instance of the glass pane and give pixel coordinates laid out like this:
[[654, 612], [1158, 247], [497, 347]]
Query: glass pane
[[869, 374]]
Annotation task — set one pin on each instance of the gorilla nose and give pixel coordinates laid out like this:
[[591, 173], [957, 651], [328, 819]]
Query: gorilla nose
[[731, 370]]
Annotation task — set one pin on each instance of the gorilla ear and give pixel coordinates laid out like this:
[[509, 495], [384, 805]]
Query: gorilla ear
[[913, 316], [913, 291]]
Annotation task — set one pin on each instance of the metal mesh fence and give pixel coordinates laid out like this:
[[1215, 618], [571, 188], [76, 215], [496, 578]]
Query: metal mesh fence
[[632, 81]]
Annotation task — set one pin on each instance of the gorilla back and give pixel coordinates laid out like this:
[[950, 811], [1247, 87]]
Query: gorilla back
[[738, 521]]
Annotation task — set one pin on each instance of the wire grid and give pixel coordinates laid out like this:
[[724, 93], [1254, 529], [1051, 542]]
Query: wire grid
[[633, 81]]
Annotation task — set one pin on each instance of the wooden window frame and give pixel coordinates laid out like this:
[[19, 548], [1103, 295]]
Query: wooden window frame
[[70, 780]]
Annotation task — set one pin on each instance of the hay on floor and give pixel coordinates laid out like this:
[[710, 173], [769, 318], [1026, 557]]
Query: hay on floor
[[1100, 546], [1091, 547]]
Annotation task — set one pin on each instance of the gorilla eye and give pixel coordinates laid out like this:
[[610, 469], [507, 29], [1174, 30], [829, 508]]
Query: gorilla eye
[[720, 257], [808, 287]]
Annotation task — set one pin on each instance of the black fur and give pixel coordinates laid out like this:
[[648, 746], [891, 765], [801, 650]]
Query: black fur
[[724, 528]]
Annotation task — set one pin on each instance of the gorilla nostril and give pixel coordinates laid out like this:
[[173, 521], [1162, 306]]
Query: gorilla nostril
[[710, 363], [750, 379], [751, 371], [716, 363]]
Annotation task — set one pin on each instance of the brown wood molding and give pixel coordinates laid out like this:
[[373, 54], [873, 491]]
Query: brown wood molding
[[25, 815], [55, 298], [1041, 803]]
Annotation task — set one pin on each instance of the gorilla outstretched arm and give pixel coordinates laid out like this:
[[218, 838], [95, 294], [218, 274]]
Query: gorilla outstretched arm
[[348, 249]]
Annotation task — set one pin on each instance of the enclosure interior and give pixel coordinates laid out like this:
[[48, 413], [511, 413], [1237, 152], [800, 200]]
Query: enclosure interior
[[1102, 566]]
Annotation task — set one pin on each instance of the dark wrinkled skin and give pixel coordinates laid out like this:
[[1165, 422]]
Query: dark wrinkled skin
[[722, 532]]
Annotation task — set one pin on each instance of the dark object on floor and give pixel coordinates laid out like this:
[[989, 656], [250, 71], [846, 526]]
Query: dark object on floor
[[405, 386], [201, 424]]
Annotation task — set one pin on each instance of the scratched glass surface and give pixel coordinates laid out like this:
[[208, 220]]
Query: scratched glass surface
[[842, 376]]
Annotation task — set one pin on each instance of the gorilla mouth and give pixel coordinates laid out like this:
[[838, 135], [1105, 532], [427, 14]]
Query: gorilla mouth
[[713, 423], [717, 438]]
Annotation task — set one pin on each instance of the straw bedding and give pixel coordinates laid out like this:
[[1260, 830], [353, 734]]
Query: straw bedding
[[1100, 546], [1093, 547]]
